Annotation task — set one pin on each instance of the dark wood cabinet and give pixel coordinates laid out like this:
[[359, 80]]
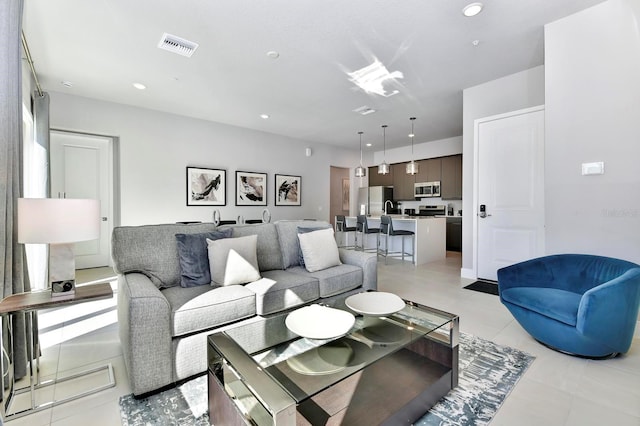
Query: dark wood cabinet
[[376, 179], [447, 170], [402, 182], [430, 170], [451, 181], [454, 234]]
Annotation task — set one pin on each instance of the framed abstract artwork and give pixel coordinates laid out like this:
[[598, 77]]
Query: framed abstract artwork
[[251, 189], [287, 190], [206, 187], [345, 194]]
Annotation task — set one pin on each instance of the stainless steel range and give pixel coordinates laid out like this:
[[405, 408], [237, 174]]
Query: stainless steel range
[[432, 210]]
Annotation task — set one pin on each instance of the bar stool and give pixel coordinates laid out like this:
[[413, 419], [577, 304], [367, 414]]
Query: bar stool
[[341, 226], [386, 229], [362, 228]]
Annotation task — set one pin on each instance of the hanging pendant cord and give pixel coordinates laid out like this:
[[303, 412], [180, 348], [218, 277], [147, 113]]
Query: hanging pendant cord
[[25, 47]]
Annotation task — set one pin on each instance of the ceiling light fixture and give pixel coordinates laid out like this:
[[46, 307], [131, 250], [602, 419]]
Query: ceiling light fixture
[[361, 171], [383, 168], [273, 54], [139, 86], [412, 168], [472, 9], [264, 116]]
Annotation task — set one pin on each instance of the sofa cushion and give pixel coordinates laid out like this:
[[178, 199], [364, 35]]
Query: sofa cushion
[[269, 254], [279, 290], [319, 249], [304, 230], [202, 307], [152, 250], [193, 256], [233, 260], [560, 305], [335, 280], [288, 235]]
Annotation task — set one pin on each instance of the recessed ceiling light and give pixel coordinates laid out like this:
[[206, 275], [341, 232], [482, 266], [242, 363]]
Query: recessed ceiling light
[[368, 144], [472, 9], [475, 42], [66, 83], [139, 86], [273, 54], [264, 116]]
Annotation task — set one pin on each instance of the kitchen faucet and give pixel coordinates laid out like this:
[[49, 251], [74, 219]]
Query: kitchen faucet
[[385, 205]]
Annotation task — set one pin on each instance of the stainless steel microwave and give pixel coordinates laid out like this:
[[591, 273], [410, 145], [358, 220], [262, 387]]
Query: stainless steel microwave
[[426, 189]]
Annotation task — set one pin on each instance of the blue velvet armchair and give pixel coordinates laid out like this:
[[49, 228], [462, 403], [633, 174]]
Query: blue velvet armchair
[[576, 303]]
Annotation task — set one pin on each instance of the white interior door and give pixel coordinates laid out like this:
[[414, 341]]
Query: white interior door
[[510, 194], [81, 168]]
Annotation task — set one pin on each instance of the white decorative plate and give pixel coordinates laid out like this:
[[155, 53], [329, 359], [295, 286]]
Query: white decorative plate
[[326, 359], [376, 303], [320, 322]]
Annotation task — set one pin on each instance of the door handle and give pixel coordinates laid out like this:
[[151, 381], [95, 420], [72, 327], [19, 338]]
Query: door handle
[[104, 219], [483, 211]]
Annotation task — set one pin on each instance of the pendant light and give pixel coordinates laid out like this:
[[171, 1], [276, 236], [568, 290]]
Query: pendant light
[[412, 167], [383, 168], [361, 171]]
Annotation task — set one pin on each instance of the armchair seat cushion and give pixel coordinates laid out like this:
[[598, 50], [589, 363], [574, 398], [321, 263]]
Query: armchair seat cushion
[[556, 304], [203, 307]]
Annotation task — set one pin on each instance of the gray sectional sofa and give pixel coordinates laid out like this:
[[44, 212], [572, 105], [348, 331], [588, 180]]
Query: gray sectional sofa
[[163, 326]]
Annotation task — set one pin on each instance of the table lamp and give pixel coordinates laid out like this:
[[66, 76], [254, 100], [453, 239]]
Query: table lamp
[[59, 222]]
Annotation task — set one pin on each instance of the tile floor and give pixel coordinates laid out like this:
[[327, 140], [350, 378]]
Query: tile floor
[[556, 390]]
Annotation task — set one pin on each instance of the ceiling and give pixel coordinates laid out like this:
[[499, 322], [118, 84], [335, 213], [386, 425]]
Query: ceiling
[[103, 46]]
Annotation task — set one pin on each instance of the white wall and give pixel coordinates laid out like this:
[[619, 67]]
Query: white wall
[[513, 92], [593, 114], [156, 147]]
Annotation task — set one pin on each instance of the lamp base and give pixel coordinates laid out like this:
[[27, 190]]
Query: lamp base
[[63, 289], [62, 270]]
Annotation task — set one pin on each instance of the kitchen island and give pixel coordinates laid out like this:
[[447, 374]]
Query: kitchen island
[[430, 242]]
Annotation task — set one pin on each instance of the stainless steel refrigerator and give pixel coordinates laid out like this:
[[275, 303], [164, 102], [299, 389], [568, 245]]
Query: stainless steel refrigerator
[[371, 200]]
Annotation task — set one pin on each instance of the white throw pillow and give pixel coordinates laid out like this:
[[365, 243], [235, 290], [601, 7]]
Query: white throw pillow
[[233, 260], [319, 249]]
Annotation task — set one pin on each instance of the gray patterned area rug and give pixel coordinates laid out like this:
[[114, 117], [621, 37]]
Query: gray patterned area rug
[[488, 373]]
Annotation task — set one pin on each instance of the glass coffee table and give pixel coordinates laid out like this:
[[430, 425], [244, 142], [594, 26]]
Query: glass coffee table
[[386, 370]]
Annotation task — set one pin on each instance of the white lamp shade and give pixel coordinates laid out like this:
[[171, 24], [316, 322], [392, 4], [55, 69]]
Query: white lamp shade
[[57, 220]]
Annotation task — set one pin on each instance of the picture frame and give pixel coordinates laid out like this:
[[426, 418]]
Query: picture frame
[[206, 187], [346, 189], [288, 190], [251, 189]]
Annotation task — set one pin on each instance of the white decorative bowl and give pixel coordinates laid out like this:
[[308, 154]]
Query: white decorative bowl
[[320, 322], [376, 303]]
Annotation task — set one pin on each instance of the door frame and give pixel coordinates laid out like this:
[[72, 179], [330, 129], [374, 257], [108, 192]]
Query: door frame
[[113, 178], [476, 172]]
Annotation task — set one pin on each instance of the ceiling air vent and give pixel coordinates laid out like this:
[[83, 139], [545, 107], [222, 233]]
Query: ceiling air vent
[[177, 45]]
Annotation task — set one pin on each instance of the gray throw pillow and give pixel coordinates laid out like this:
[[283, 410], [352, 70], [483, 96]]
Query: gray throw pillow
[[194, 258]]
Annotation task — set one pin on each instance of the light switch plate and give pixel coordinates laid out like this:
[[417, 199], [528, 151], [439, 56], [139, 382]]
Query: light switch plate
[[596, 168]]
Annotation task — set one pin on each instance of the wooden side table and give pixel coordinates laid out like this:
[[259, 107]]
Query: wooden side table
[[30, 303]]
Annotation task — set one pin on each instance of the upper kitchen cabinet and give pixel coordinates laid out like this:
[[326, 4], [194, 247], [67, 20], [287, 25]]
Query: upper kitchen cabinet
[[451, 181], [429, 170], [376, 179], [402, 182]]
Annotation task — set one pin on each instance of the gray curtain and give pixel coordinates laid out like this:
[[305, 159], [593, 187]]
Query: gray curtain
[[13, 278]]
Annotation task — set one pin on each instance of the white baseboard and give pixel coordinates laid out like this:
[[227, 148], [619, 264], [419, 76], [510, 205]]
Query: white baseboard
[[468, 273]]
